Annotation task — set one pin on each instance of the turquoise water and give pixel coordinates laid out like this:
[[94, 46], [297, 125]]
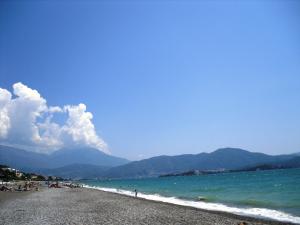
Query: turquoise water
[[273, 189]]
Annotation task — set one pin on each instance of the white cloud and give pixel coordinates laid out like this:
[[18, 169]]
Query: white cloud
[[26, 120], [5, 97]]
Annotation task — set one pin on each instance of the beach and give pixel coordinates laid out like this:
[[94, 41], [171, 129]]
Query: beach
[[87, 206]]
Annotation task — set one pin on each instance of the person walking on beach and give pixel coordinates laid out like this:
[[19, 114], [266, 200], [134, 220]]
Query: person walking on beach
[[135, 191]]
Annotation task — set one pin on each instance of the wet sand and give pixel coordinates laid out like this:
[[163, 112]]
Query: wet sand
[[87, 207]]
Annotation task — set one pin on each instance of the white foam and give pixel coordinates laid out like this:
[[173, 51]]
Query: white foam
[[253, 212]]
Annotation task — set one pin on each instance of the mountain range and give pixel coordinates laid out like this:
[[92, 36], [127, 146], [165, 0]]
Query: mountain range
[[89, 163], [23, 159], [225, 158]]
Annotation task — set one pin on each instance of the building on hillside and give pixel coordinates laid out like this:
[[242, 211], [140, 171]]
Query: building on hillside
[[33, 176], [9, 169], [19, 174]]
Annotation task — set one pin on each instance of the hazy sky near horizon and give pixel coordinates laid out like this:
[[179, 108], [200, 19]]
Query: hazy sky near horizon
[[163, 77]]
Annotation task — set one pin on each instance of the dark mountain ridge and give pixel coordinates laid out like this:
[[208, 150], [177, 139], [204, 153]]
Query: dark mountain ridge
[[226, 158], [91, 156], [22, 159], [19, 158], [91, 163], [73, 171]]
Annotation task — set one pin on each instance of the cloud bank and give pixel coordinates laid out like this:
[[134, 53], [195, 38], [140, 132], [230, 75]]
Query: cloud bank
[[26, 120]]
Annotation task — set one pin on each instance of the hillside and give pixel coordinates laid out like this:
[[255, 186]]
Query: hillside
[[22, 159], [19, 158], [75, 171], [91, 156], [226, 158], [88, 163]]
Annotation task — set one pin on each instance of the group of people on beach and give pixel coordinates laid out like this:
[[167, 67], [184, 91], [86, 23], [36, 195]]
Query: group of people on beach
[[20, 186], [57, 184], [35, 185]]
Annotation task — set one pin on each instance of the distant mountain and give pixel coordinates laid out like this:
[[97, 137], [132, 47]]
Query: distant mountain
[[18, 158], [91, 156], [293, 163], [226, 158], [77, 163], [74, 171], [285, 164], [27, 160]]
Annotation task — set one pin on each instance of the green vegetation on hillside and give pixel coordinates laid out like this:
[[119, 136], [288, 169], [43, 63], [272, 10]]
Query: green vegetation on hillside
[[9, 174]]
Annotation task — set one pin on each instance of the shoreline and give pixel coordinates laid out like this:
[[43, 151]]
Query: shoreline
[[88, 206], [220, 212]]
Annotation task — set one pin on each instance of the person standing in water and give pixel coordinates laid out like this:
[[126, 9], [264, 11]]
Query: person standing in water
[[135, 191]]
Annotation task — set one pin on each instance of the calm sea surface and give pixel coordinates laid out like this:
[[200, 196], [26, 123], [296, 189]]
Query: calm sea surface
[[274, 189]]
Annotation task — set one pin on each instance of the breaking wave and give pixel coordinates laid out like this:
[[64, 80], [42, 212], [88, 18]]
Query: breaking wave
[[252, 212]]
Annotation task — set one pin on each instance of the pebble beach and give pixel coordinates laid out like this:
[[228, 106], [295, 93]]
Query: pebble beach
[[86, 206]]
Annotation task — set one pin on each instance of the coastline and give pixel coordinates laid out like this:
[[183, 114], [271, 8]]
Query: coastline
[[87, 206], [193, 205]]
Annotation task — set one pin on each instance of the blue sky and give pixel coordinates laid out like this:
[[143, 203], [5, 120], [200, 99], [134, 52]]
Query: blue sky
[[163, 77]]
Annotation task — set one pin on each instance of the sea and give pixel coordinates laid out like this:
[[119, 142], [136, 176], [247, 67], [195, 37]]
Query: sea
[[269, 194]]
